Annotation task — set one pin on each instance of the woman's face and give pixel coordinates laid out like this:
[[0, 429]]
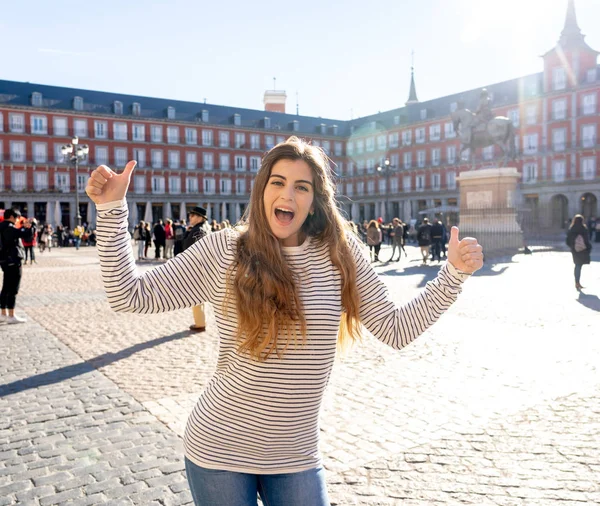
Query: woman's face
[[288, 198]]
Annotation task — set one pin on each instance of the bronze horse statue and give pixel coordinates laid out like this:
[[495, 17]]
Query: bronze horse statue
[[497, 131]]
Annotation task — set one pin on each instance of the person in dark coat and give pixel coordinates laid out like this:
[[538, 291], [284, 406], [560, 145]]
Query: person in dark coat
[[424, 239], [197, 219], [160, 238], [437, 236], [579, 242]]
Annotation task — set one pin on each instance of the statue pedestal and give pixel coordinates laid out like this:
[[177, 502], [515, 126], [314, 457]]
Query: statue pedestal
[[487, 209]]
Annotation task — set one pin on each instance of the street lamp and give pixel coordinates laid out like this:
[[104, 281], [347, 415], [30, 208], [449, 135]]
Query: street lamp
[[386, 169], [72, 154]]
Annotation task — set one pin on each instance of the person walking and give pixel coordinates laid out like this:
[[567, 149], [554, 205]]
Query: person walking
[[169, 239], [147, 239], [12, 255], [437, 238], [29, 240], [139, 236], [287, 287], [579, 242], [397, 239], [424, 239], [159, 239], [374, 239]]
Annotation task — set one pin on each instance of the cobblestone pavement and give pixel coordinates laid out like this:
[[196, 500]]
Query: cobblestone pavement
[[498, 403]]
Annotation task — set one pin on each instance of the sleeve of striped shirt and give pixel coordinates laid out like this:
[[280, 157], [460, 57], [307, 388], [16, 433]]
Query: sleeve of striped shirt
[[399, 326], [192, 277]]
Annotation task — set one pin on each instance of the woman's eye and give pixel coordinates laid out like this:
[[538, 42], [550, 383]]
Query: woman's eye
[[303, 188], [277, 183]]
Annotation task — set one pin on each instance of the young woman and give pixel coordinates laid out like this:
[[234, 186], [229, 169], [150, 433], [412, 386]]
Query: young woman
[[286, 288], [374, 239], [580, 245]]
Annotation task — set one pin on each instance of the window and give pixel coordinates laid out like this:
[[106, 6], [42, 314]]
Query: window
[[191, 161], [16, 122], [60, 126], [337, 148], [156, 133], [450, 154], [173, 135], [349, 188], [436, 181], [350, 168], [588, 168], [40, 152], [435, 132], [81, 127], [118, 107], [360, 147], [395, 161], [40, 181], [208, 161], [513, 115], [488, 152], [78, 103], [406, 184], [559, 137], [531, 114], [207, 137], [393, 139], [62, 182], [269, 141], [240, 139], [101, 155], [559, 79], [139, 155], [371, 187], [451, 180], [36, 99], [171, 112], [382, 186], [81, 182], [174, 185], [1, 150], [529, 172], [530, 143], [350, 148], [381, 144], [254, 163], [1, 122], [157, 158], [406, 138], [295, 125], [254, 141], [360, 188], [204, 116], [589, 104], [423, 114], [120, 131], [559, 109], [58, 156], [591, 75], [421, 158], [394, 185], [100, 129], [158, 184], [449, 132], [225, 187], [360, 166], [173, 159], [191, 136], [326, 147], [191, 185], [139, 184], [420, 135], [370, 166], [39, 125], [120, 157], [138, 132], [420, 183], [209, 185], [136, 109], [435, 156], [17, 151], [240, 163], [224, 161], [240, 187], [237, 120], [224, 139], [588, 136], [559, 169]]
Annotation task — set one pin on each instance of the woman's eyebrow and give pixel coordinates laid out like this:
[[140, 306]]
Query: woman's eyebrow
[[297, 180]]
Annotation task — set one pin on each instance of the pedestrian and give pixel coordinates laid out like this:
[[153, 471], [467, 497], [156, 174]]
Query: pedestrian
[[159, 238], [397, 239], [46, 238], [30, 240], [147, 239], [437, 237], [78, 232], [197, 219], [12, 255], [579, 242], [374, 238], [285, 287], [139, 236], [179, 229], [169, 239], [424, 239]]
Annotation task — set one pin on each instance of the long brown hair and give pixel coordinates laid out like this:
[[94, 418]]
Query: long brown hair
[[265, 291]]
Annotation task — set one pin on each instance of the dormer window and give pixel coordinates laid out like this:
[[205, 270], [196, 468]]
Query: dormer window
[[117, 107], [237, 120], [36, 99], [78, 103], [396, 120], [334, 129], [266, 122], [171, 112], [204, 116], [295, 125], [323, 128], [423, 113], [136, 109]]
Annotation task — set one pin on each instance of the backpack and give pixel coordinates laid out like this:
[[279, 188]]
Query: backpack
[[425, 235], [579, 244]]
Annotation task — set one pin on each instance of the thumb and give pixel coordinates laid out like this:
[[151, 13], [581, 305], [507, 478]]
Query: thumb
[[129, 168], [454, 235]]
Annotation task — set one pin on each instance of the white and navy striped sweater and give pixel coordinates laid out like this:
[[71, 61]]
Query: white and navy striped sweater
[[262, 417]]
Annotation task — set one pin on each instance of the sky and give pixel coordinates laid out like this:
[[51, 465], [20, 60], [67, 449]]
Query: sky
[[342, 60]]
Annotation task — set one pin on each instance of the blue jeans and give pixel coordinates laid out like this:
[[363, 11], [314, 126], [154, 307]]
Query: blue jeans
[[211, 487]]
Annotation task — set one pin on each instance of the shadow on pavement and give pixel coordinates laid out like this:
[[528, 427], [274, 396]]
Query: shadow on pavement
[[71, 371], [589, 300]]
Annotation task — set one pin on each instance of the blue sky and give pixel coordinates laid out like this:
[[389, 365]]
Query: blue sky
[[344, 59]]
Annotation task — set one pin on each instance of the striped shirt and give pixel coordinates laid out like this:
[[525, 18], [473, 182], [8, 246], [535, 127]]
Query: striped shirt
[[262, 417]]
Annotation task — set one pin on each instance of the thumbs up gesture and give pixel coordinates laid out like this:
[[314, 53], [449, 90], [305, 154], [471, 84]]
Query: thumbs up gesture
[[105, 185], [465, 254]]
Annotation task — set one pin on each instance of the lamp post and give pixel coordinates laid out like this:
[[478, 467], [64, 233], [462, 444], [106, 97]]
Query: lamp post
[[386, 169], [73, 153]]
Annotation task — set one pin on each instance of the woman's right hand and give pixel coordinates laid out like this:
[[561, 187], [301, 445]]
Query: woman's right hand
[[105, 185]]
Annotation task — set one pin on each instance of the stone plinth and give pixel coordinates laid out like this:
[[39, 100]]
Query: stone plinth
[[487, 209]]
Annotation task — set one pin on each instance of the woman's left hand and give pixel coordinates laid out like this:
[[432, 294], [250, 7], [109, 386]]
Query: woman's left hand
[[466, 255]]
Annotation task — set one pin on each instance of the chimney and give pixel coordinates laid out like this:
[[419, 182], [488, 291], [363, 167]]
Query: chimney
[[275, 100]]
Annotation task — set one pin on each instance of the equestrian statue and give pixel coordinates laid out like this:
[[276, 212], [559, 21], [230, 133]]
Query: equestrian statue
[[480, 129]]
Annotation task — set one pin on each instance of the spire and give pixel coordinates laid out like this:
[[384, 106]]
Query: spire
[[571, 32], [412, 96]]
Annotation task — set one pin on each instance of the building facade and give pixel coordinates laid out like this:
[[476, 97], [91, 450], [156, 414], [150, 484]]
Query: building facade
[[201, 154]]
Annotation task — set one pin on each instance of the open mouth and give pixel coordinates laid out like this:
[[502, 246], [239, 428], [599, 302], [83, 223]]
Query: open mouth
[[284, 216]]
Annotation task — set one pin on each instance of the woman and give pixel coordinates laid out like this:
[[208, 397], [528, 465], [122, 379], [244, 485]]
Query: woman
[[30, 240], [579, 242], [284, 288], [374, 238], [139, 236], [169, 239]]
